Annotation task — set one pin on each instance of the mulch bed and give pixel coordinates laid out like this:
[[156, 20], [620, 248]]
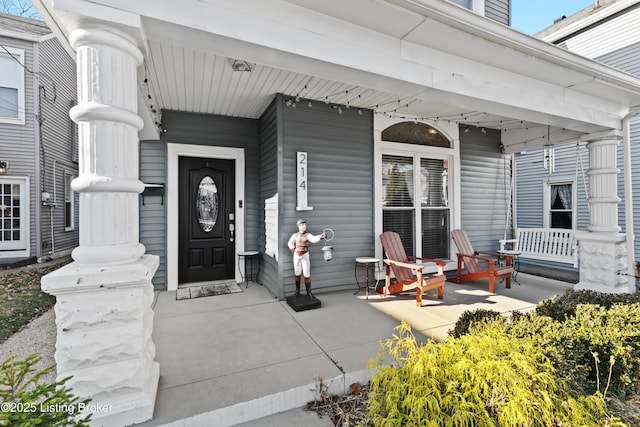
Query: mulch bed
[[345, 411]]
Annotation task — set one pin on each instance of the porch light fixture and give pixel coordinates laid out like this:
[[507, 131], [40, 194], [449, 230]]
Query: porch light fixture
[[4, 167], [240, 65]]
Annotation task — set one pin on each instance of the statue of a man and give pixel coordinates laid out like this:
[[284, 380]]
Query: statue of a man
[[299, 245]]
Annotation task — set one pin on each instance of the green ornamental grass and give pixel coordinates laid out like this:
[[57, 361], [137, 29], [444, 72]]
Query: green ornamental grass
[[485, 378]]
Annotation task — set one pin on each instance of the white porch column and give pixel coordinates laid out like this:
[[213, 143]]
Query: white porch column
[[103, 308], [602, 252]]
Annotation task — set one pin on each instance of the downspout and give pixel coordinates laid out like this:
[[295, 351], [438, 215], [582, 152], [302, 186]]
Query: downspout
[[628, 197], [39, 165]]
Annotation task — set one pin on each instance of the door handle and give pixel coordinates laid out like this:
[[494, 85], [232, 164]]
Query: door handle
[[231, 230]]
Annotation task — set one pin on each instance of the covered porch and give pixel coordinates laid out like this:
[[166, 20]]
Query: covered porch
[[393, 61], [243, 369]]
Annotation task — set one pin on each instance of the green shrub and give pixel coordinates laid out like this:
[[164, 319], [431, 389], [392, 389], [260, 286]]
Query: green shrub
[[563, 306], [484, 378], [471, 317], [598, 347], [26, 400]]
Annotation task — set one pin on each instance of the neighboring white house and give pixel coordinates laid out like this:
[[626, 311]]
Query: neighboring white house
[[607, 32], [359, 116], [38, 145]]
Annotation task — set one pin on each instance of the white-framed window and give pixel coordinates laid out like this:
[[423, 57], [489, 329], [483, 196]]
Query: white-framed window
[[413, 186], [69, 203], [14, 217], [559, 204], [12, 86], [415, 202]]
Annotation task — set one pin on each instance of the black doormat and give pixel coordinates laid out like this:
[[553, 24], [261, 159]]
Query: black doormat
[[207, 290]]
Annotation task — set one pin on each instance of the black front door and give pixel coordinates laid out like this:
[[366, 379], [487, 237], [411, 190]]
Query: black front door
[[206, 246]]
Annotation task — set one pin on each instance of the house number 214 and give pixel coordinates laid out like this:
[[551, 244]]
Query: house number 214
[[302, 181]]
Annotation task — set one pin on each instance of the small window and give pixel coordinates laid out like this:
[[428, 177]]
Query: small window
[[12, 86], [560, 202], [69, 203]]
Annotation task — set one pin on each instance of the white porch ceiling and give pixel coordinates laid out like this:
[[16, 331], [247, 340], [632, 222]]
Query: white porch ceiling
[[409, 58]]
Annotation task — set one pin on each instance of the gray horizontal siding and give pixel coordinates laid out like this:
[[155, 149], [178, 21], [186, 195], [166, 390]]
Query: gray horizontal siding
[[485, 187], [570, 160], [57, 96], [270, 271], [626, 59], [153, 213], [18, 142], [340, 188], [498, 10]]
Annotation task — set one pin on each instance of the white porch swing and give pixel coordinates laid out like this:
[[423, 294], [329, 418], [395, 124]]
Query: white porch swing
[[545, 244]]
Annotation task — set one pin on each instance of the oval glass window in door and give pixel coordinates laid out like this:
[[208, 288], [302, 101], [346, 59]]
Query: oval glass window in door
[[207, 204]]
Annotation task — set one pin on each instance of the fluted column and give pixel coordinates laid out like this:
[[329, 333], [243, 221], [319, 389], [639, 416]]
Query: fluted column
[[103, 299], [603, 183], [602, 249], [108, 162]]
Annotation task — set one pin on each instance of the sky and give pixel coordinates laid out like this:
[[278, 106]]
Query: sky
[[531, 16]]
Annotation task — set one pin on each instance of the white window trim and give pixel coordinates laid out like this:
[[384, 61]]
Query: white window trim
[[546, 223], [25, 218], [478, 7], [449, 130], [174, 151], [67, 190], [18, 54]]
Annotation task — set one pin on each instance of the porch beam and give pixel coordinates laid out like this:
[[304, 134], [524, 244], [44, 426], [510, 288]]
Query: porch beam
[[317, 43]]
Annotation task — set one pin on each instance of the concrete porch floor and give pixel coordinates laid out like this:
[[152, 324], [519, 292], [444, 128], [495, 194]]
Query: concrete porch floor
[[238, 359]]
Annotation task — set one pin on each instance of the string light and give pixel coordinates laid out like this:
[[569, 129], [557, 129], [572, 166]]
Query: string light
[[394, 109], [152, 109]]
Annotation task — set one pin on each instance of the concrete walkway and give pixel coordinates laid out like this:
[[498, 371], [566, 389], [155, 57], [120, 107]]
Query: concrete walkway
[[248, 359]]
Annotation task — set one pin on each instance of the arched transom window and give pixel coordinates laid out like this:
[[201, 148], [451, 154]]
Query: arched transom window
[[415, 133]]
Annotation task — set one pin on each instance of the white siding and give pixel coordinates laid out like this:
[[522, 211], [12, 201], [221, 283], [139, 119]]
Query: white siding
[[611, 35]]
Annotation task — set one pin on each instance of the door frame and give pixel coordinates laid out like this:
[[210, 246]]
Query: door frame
[[174, 151], [24, 248]]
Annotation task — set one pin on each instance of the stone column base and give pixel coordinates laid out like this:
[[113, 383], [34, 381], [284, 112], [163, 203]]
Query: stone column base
[[603, 262], [104, 322]]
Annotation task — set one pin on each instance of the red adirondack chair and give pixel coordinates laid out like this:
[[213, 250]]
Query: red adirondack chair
[[408, 276], [480, 265]]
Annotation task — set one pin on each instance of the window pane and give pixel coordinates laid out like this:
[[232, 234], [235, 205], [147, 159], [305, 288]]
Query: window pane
[[67, 215], [463, 3], [434, 183], [207, 204], [561, 197], [400, 221], [9, 71], [561, 220], [9, 102], [435, 233], [397, 181]]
